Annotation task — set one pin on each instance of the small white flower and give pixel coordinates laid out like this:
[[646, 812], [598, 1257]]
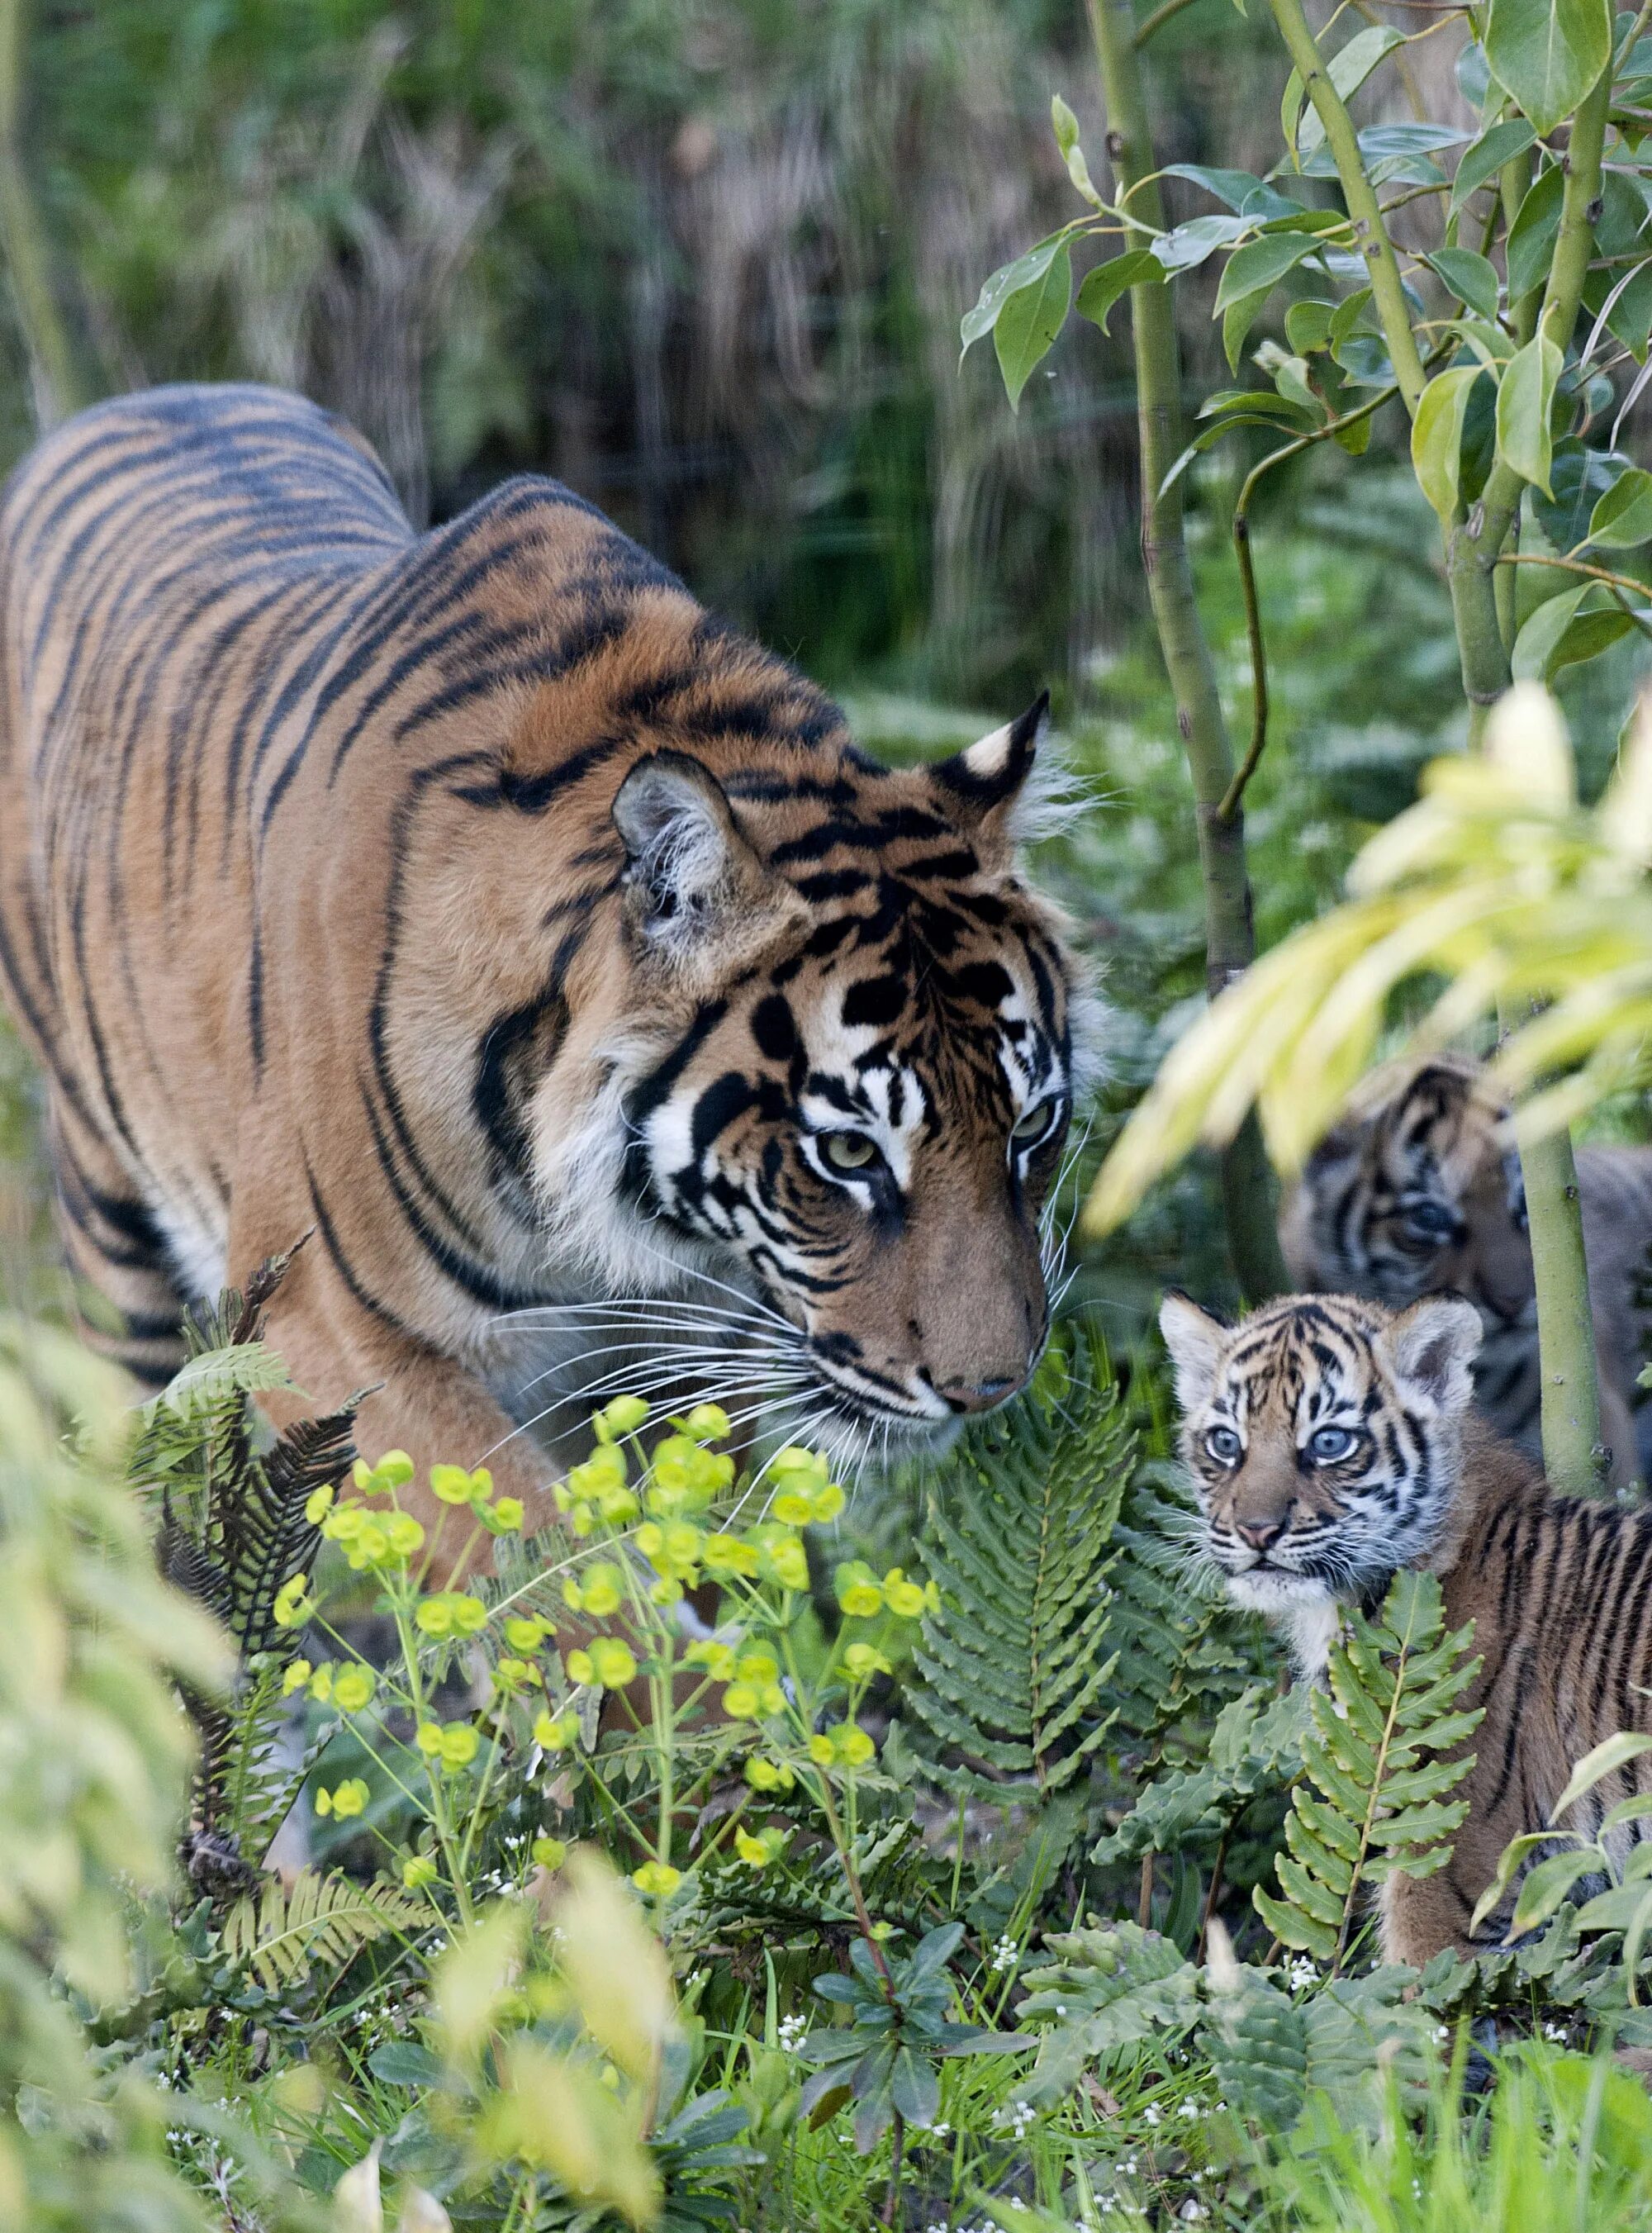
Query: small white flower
[[939, 2132], [1441, 2034], [1153, 2114], [1189, 2109], [1006, 1954], [1061, 2008], [1191, 2211], [1554, 2031], [789, 2033]]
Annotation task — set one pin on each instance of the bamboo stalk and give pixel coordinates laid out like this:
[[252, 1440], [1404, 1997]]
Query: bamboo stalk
[[1229, 934], [53, 378]]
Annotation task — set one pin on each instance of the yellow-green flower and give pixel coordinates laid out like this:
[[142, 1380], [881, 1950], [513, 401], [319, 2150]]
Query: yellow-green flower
[[345, 1800], [754, 1851], [657, 1878], [435, 1616], [505, 1517], [788, 1564], [318, 1503], [709, 1422], [862, 1661], [601, 1590], [605, 1468], [906, 1599], [512, 1676], [353, 1687], [768, 1774], [525, 1633], [828, 1503], [624, 1414], [759, 1667], [393, 1470], [741, 1703], [320, 1683], [459, 1741], [296, 1677], [417, 1870], [556, 1732], [858, 1592], [428, 1738], [714, 1655], [795, 1506], [853, 1747], [403, 1532], [452, 1484], [722, 1554], [292, 1608], [550, 1853], [821, 1750], [612, 1663]]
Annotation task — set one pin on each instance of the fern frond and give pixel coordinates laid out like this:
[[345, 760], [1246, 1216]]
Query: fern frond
[[1384, 1747], [1012, 1669], [282, 1934], [808, 1891], [1103, 1989], [1179, 1662], [1255, 1747], [203, 1383]]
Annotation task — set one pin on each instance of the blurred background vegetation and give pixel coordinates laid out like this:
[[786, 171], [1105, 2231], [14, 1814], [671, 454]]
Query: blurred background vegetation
[[706, 260]]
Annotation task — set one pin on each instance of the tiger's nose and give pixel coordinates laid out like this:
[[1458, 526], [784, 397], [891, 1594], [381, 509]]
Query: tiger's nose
[[1259, 1533], [975, 1395]]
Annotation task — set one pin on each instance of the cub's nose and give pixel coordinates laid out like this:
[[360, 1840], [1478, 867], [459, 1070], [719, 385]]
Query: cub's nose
[[975, 1395], [1259, 1533]]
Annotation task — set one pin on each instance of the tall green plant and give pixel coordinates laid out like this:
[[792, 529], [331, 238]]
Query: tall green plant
[[1474, 332]]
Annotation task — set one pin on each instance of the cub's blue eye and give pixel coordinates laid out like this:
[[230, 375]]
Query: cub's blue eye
[[1224, 1445], [1430, 1222], [1331, 1445]]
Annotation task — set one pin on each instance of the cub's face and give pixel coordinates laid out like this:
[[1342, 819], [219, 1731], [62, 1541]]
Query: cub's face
[[1323, 1437], [870, 1071], [1415, 1193]]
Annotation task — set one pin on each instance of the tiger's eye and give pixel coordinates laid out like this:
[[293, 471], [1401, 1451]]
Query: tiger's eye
[[1331, 1445], [849, 1151], [1035, 1124], [1224, 1445]]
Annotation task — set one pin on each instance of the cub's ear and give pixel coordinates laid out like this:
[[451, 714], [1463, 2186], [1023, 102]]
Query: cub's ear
[[1431, 1347], [1195, 1341], [696, 894], [1002, 791]]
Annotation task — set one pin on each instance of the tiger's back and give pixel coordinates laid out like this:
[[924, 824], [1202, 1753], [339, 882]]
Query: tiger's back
[[1330, 1443], [479, 903]]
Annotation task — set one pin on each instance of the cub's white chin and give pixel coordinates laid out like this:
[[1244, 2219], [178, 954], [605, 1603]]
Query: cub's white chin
[[1274, 1593]]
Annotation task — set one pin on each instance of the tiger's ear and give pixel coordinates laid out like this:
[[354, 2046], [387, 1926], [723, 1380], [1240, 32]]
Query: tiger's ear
[[991, 791], [696, 894], [1195, 1341], [1431, 1347]]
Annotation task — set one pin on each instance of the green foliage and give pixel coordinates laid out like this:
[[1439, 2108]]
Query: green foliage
[[1015, 1660], [1385, 1745], [1255, 1746], [283, 1930]]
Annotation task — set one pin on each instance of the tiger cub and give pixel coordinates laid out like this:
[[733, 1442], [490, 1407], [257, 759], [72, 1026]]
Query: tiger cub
[[479, 902], [1413, 1192], [1331, 1441]]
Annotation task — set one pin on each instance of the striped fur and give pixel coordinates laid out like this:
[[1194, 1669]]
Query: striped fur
[[479, 902], [1559, 1590], [1417, 1191]]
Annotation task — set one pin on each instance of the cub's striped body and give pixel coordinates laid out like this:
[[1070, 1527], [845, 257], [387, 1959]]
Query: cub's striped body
[[1332, 1442], [1416, 1191], [479, 902]]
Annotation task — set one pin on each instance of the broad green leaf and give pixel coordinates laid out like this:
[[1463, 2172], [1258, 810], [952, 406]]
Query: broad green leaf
[[1545, 1890], [1188, 246], [1472, 279], [1237, 320], [1525, 400], [1557, 635], [1243, 191], [1029, 322], [1262, 263], [1066, 130], [1628, 1810], [1622, 518], [1100, 289], [241, 1368], [1510, 1863], [1437, 435], [915, 2089], [1549, 53], [1605, 1759], [1009, 279], [1532, 235], [1347, 70], [1483, 158], [1307, 326], [1578, 476]]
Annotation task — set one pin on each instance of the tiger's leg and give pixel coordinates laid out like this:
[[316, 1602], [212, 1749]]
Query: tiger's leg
[[131, 1305]]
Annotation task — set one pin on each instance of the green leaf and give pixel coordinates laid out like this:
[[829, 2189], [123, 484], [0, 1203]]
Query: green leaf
[[1347, 70], [1577, 478], [1485, 156], [1437, 435], [1525, 403], [244, 1367], [1243, 191], [1623, 516], [1029, 321], [915, 2089], [1188, 246], [1557, 635], [1544, 1891], [1473, 279], [1009, 279], [1260, 264], [1549, 53], [1100, 289], [1533, 236], [1307, 327], [1605, 1759], [1510, 1862]]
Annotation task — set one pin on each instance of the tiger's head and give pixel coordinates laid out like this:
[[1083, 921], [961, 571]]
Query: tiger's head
[[1323, 1438], [1413, 1192], [840, 1039]]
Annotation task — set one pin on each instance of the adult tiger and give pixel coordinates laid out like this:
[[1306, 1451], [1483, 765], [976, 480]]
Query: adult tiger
[[1417, 1190], [478, 900]]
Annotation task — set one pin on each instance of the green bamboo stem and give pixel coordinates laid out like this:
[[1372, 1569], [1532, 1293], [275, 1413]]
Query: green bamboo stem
[[56, 386], [1229, 934], [1388, 289]]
